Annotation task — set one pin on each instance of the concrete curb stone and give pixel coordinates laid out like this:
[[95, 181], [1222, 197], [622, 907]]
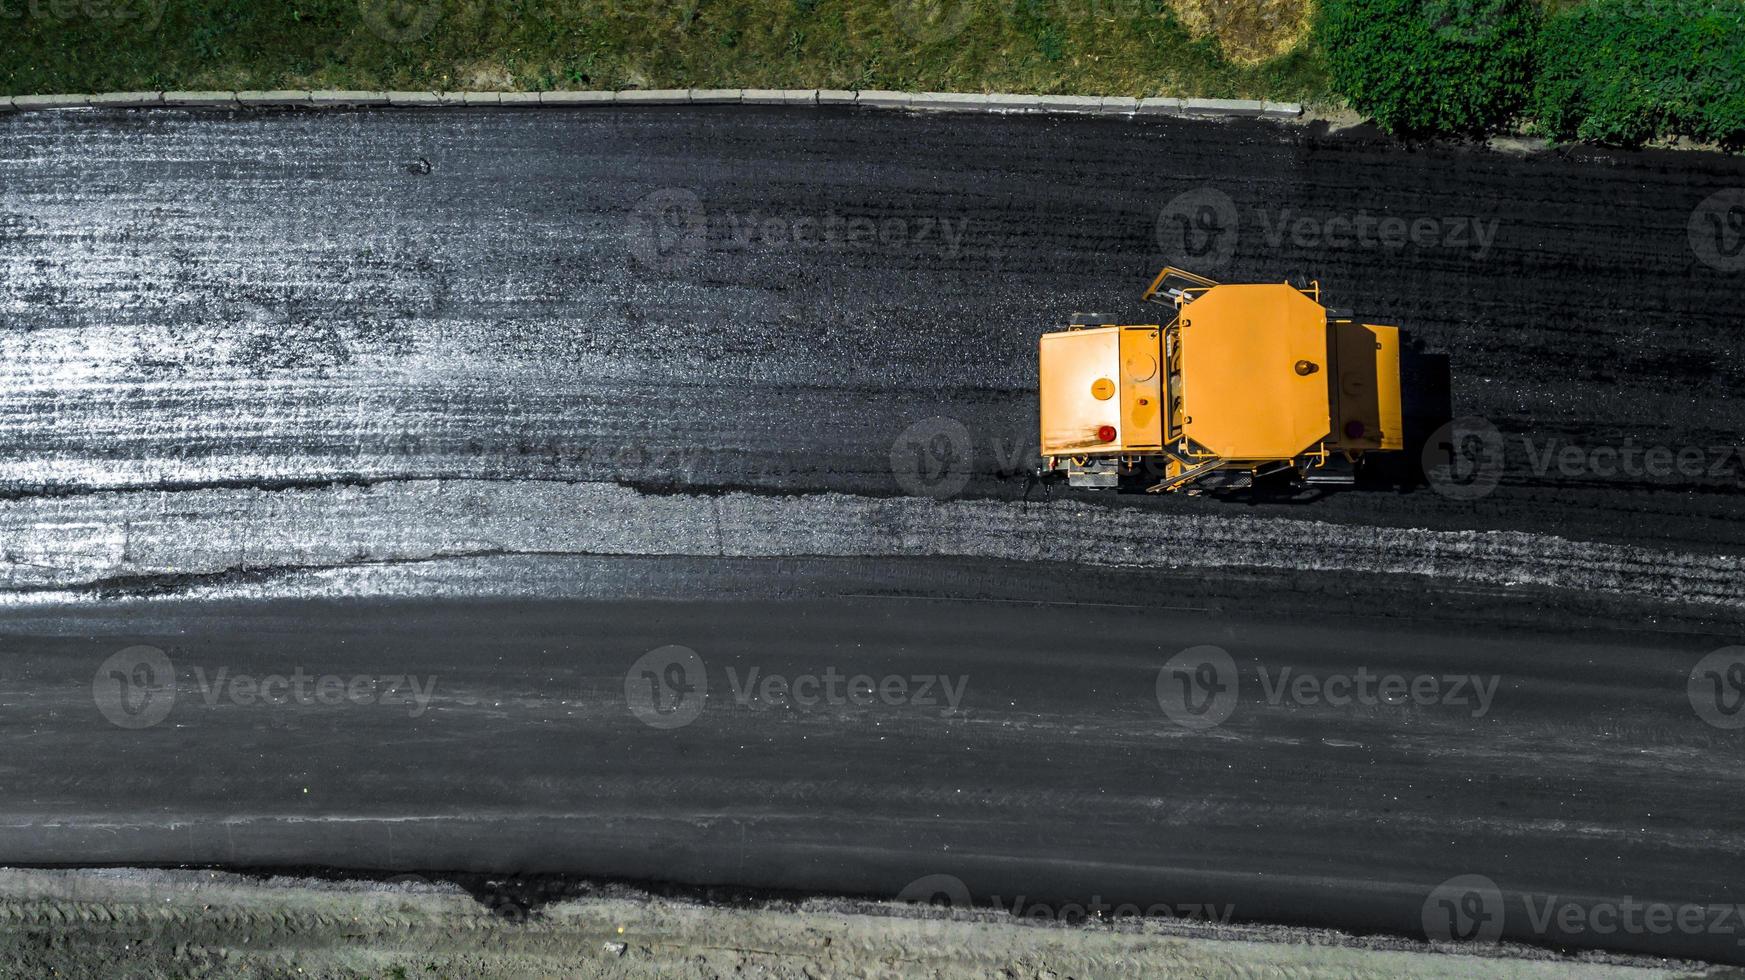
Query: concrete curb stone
[[50, 101], [1070, 103], [577, 98], [255, 97], [208, 99], [347, 97], [426, 98], [878, 99], [655, 96], [1014, 103], [1221, 107], [949, 101], [127, 99], [780, 96]]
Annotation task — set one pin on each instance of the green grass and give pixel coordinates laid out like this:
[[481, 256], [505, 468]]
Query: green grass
[[1098, 47]]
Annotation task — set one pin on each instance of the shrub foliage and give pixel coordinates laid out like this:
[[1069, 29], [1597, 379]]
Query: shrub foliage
[[1428, 66], [1625, 71]]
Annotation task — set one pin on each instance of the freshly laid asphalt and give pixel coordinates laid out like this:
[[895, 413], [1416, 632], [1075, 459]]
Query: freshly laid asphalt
[[211, 320]]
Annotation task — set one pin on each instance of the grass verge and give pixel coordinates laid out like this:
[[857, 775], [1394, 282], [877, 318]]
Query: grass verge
[[1098, 47]]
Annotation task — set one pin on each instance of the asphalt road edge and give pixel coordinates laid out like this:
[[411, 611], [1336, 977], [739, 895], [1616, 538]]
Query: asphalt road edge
[[921, 101]]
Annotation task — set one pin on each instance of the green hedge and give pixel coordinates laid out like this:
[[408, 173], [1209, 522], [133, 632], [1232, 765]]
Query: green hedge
[[1626, 71], [1431, 66]]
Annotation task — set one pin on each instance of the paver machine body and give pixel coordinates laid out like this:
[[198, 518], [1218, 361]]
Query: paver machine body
[[1243, 382]]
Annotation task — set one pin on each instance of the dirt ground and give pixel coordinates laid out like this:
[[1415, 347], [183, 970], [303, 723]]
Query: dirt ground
[[153, 923]]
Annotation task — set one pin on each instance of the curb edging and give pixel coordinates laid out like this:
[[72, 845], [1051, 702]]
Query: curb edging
[[870, 98]]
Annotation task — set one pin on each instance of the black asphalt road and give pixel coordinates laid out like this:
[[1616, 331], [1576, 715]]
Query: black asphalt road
[[210, 321]]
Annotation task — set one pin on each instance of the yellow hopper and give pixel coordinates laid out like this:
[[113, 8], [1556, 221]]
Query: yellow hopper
[[1244, 381]]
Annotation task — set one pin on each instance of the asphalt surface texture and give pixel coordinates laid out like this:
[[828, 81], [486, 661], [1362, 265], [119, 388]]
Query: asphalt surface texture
[[523, 493]]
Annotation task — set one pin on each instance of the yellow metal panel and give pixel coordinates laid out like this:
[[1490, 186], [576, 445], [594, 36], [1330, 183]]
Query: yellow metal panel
[[1141, 388], [1071, 362], [1387, 380], [1367, 394], [1245, 396]]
